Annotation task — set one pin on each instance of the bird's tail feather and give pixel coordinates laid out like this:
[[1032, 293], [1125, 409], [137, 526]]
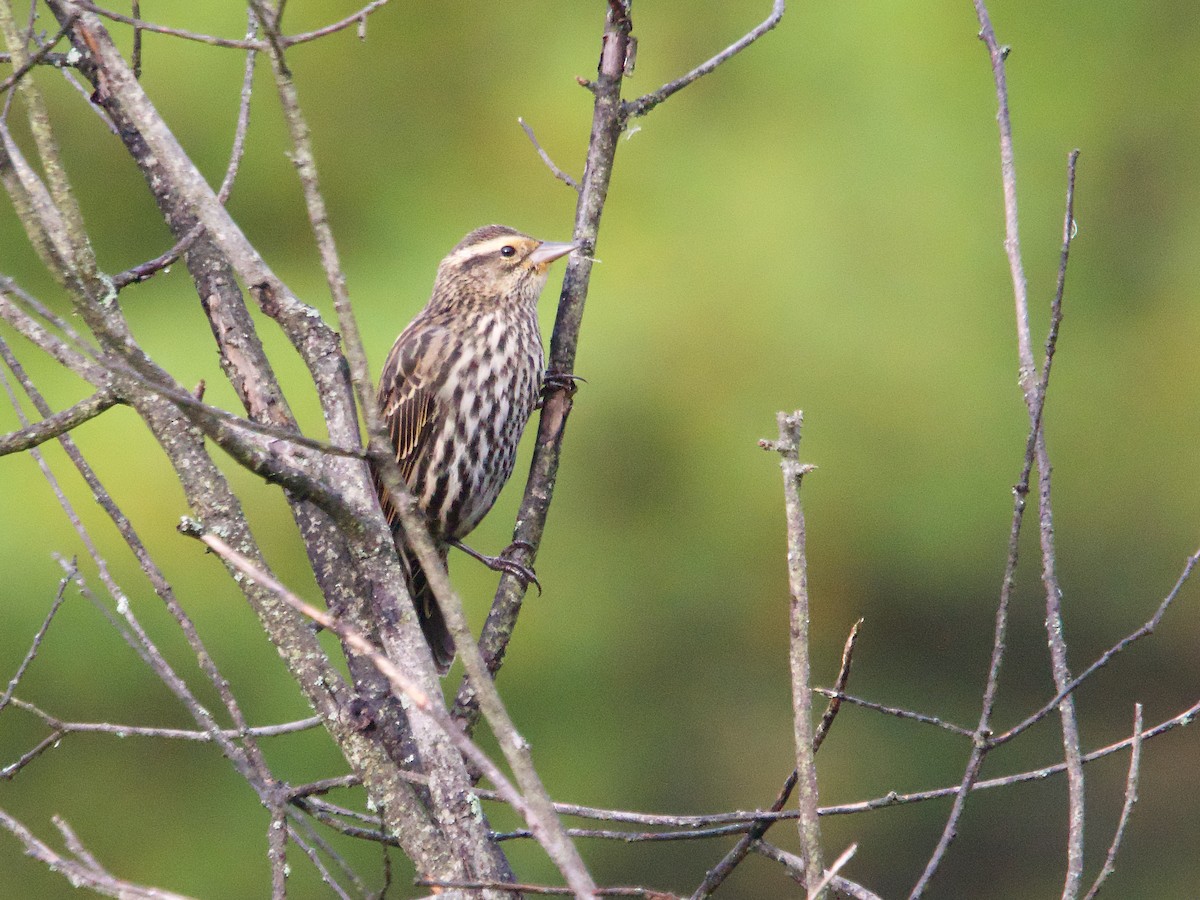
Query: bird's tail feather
[[429, 614]]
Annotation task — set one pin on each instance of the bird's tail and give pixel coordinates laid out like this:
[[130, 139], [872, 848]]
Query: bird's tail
[[429, 614]]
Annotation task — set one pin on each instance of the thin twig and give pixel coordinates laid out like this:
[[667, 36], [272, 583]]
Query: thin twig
[[1055, 632], [794, 865], [642, 105], [305, 844], [312, 845], [10, 771], [82, 870], [832, 872], [54, 60], [558, 173], [38, 637], [715, 825], [325, 785], [38, 56], [1131, 789], [839, 686], [545, 889], [135, 10], [1034, 391], [715, 876], [143, 271], [1106, 657], [896, 711], [173, 734], [142, 25], [356, 18]]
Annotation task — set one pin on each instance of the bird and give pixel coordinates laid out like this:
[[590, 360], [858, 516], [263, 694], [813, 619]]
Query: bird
[[455, 393]]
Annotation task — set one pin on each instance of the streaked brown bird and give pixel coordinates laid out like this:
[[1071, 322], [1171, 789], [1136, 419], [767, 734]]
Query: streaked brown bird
[[456, 391]]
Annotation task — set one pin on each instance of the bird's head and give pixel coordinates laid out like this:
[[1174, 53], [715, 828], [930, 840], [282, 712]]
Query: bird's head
[[496, 264]]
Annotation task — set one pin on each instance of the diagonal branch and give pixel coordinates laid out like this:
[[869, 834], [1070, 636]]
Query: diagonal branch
[[717, 875], [1106, 657], [81, 869], [58, 423], [38, 637], [1131, 789], [545, 827], [631, 109], [38, 56]]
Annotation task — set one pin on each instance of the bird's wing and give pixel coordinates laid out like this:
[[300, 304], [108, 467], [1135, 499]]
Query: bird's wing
[[408, 398]]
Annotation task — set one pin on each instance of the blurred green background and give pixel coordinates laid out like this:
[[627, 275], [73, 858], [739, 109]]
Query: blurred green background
[[817, 225]]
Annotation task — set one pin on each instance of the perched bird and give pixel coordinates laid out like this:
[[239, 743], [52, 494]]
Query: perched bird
[[456, 391]]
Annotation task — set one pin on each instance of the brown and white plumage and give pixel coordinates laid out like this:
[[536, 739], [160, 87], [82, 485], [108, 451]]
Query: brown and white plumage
[[457, 389]]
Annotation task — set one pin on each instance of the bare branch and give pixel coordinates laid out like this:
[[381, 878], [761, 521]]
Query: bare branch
[[839, 685], [122, 730], [38, 56], [546, 890], [304, 160], [633, 108], [717, 875], [82, 870], [312, 844], [147, 269], [897, 712], [1034, 400], [1106, 657], [38, 637], [788, 448], [570, 865], [832, 872], [1034, 391], [54, 60], [558, 173], [713, 825], [552, 421], [135, 7], [143, 25], [1131, 788], [10, 771], [58, 423], [359, 18], [795, 867]]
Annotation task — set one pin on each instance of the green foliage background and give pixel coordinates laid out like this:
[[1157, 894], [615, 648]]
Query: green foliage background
[[817, 225]]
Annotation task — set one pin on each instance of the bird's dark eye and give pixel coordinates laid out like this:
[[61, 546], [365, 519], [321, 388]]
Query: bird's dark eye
[[508, 250]]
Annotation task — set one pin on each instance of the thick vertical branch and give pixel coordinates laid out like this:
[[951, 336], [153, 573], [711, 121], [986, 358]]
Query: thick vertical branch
[[788, 447], [607, 122]]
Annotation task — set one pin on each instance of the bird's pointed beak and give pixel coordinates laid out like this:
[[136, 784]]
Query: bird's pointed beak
[[548, 251]]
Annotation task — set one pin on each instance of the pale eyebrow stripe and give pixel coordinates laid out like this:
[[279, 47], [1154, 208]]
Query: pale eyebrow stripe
[[489, 246]]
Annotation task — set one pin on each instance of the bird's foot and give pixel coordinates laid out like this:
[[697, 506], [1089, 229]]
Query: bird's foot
[[559, 381], [503, 562]]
